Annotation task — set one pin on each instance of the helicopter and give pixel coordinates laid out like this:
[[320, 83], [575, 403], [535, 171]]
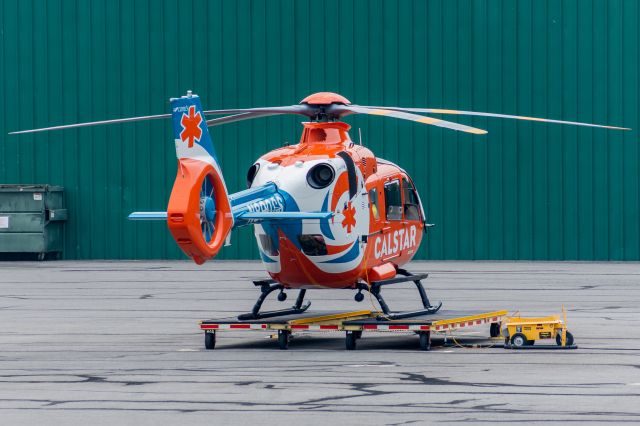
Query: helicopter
[[327, 213]]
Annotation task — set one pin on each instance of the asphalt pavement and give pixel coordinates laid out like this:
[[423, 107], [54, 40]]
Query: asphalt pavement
[[102, 343]]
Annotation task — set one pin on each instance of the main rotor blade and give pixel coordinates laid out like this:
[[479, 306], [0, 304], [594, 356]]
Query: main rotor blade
[[291, 109], [239, 117], [92, 123], [489, 114], [251, 113], [411, 117]]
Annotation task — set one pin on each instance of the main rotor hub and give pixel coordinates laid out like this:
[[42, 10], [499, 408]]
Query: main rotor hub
[[322, 106]]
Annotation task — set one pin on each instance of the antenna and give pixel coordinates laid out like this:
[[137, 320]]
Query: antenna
[[360, 135]]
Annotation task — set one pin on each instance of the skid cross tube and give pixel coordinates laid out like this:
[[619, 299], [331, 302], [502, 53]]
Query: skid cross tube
[[266, 288], [376, 286]]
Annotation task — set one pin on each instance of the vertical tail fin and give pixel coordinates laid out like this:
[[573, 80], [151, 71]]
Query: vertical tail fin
[[199, 212], [190, 130]]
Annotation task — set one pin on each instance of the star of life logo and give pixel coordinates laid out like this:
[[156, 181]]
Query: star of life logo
[[349, 220], [191, 130]]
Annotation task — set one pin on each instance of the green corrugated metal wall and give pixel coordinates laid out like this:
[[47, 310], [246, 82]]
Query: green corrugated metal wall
[[524, 191]]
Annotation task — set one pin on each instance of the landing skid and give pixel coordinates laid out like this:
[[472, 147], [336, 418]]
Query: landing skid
[[267, 287], [375, 289]]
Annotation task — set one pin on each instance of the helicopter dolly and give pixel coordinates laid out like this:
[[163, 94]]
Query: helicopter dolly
[[354, 324], [327, 213]]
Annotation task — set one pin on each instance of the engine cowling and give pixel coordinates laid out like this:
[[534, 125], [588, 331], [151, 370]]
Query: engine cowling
[[199, 212]]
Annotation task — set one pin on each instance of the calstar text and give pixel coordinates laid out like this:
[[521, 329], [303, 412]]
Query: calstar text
[[392, 243]]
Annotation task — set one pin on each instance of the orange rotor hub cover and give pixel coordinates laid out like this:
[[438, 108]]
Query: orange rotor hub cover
[[325, 98]]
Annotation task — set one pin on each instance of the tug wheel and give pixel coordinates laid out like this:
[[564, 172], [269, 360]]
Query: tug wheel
[[569, 339], [519, 340], [425, 341], [283, 339], [210, 341], [350, 341]]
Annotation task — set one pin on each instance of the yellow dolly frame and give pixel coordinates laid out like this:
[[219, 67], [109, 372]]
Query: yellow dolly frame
[[522, 332], [355, 323]]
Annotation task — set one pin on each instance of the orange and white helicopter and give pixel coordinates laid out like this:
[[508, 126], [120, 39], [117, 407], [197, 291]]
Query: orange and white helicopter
[[327, 212]]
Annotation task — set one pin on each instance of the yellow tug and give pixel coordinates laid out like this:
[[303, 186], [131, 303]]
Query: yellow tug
[[522, 332]]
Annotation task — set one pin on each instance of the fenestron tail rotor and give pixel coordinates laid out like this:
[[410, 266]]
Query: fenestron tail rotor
[[327, 106], [207, 209]]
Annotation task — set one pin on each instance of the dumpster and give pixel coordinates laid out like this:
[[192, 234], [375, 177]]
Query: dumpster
[[32, 220]]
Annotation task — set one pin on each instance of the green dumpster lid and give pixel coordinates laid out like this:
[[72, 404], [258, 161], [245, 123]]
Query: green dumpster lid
[[30, 188]]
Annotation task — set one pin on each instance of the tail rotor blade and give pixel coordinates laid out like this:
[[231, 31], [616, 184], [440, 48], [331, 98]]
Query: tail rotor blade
[[489, 114], [401, 114]]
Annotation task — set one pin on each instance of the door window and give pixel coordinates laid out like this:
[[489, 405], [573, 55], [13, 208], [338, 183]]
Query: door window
[[313, 244], [268, 245], [373, 201]]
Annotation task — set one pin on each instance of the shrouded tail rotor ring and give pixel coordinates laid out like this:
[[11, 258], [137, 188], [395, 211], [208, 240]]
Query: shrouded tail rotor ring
[[199, 214]]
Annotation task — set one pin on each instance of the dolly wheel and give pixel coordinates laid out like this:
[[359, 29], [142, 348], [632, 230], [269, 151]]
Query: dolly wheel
[[210, 341], [569, 339], [425, 341], [519, 340], [350, 341], [494, 330], [283, 339]]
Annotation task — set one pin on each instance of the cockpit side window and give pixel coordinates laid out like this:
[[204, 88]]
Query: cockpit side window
[[393, 200], [411, 203]]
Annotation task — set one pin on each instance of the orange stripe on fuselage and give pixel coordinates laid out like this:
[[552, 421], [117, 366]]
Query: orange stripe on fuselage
[[337, 249], [296, 270]]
